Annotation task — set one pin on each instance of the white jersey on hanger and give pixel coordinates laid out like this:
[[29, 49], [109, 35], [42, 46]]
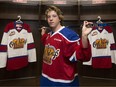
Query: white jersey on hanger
[[102, 43], [17, 46]]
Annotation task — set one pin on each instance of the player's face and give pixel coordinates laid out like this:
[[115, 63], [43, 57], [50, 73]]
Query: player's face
[[53, 19]]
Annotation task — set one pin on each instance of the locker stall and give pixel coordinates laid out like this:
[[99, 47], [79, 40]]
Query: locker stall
[[29, 14]]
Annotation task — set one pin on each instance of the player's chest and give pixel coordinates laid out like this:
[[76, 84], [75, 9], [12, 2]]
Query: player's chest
[[55, 40]]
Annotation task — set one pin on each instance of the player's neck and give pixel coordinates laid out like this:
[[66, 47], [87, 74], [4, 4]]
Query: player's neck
[[56, 28]]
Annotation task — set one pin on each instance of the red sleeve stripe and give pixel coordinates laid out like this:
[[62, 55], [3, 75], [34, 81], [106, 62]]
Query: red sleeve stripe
[[31, 46], [113, 47], [3, 48]]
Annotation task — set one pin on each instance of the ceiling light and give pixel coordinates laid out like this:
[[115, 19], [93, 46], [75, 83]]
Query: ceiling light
[[20, 1], [98, 1]]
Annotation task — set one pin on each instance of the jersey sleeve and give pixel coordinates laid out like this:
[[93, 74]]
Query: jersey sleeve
[[112, 43], [43, 38], [31, 46], [83, 54], [3, 48], [74, 50], [80, 53]]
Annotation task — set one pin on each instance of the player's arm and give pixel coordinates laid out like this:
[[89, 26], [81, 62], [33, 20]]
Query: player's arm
[[44, 34], [83, 54], [85, 31]]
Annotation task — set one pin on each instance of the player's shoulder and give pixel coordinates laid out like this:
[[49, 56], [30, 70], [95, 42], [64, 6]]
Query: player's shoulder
[[69, 34]]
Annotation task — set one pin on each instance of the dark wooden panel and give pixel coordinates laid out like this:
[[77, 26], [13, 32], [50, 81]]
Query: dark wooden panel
[[11, 11], [100, 73], [106, 11]]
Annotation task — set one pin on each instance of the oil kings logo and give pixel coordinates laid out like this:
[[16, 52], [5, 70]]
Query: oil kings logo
[[50, 53], [17, 43], [94, 33], [100, 43], [12, 33]]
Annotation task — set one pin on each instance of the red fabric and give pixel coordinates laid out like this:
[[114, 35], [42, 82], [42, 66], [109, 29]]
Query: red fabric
[[64, 49], [101, 63], [3, 48], [43, 39], [31, 46], [83, 54], [18, 63]]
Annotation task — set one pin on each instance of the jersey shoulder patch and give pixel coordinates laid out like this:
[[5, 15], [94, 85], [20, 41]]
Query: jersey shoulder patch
[[69, 34]]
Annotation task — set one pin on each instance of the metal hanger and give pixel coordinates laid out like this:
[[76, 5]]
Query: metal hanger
[[19, 19], [99, 20]]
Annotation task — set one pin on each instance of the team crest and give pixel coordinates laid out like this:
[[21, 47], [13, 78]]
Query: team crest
[[50, 54], [12, 33], [17, 43], [100, 43], [94, 33]]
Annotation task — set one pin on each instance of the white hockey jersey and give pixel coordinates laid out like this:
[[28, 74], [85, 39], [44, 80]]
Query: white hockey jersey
[[17, 47], [103, 47]]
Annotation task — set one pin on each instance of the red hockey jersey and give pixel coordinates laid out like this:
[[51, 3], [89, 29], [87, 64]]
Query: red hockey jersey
[[62, 49]]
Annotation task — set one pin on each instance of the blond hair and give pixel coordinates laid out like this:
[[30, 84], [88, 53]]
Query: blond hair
[[56, 9]]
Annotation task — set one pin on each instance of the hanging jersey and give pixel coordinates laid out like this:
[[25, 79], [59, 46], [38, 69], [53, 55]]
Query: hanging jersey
[[17, 46], [62, 49], [102, 44]]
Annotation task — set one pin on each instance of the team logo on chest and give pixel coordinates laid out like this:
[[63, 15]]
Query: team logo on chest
[[50, 54], [17, 43], [100, 43]]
